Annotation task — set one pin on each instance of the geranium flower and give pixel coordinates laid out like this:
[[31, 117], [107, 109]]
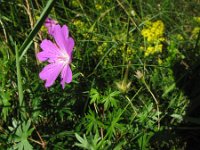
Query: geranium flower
[[59, 56], [50, 25]]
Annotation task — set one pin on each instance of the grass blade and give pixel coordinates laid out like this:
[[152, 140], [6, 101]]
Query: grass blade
[[23, 49], [19, 80]]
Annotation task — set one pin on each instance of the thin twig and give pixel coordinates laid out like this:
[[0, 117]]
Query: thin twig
[[156, 101], [35, 141], [128, 13], [43, 143], [31, 19], [4, 31]]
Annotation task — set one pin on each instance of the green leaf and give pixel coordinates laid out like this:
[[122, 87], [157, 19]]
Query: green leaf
[[89, 143], [23, 145], [114, 124], [178, 117], [92, 122], [5, 101], [83, 141], [94, 95], [110, 100], [169, 89], [22, 134], [19, 80]]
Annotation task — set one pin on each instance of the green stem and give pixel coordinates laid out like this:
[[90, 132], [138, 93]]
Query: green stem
[[156, 101], [19, 79]]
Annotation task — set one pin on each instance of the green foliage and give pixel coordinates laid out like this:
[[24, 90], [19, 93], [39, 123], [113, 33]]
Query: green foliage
[[92, 122], [5, 101], [91, 144], [21, 133], [95, 96], [114, 126], [143, 141], [109, 100]]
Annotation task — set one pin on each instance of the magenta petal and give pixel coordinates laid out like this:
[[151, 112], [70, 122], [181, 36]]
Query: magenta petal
[[49, 46], [44, 56], [51, 30], [69, 46], [63, 40], [65, 31], [50, 51], [66, 75], [50, 24], [50, 73], [59, 37], [41, 56], [69, 42]]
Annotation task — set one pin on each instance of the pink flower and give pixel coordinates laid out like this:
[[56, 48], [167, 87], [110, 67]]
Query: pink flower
[[59, 56], [50, 25]]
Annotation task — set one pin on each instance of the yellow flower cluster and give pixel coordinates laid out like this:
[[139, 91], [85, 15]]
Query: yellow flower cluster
[[153, 33], [196, 28], [179, 37], [195, 32], [81, 27], [102, 48], [153, 49], [75, 3], [98, 6], [197, 19], [79, 23]]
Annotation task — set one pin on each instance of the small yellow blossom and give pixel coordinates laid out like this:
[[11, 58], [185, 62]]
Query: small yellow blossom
[[81, 26], [195, 32], [197, 19], [75, 3], [130, 51], [78, 23], [158, 48], [179, 37], [153, 49], [98, 6], [149, 50], [160, 61], [154, 31]]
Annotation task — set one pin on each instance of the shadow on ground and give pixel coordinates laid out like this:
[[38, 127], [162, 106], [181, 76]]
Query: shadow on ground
[[187, 75], [187, 134]]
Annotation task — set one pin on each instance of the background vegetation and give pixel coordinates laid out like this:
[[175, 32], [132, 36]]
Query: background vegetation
[[136, 76]]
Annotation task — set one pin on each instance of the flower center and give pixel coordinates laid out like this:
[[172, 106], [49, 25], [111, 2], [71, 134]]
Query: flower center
[[64, 58]]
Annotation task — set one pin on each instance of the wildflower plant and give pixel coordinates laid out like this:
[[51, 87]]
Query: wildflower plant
[[58, 54]]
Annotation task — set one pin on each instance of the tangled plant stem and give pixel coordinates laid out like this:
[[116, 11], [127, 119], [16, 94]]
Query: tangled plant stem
[[155, 100]]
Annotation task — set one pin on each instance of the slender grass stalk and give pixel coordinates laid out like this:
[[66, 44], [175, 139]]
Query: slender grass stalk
[[32, 20], [4, 31], [25, 49], [128, 13], [19, 78]]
